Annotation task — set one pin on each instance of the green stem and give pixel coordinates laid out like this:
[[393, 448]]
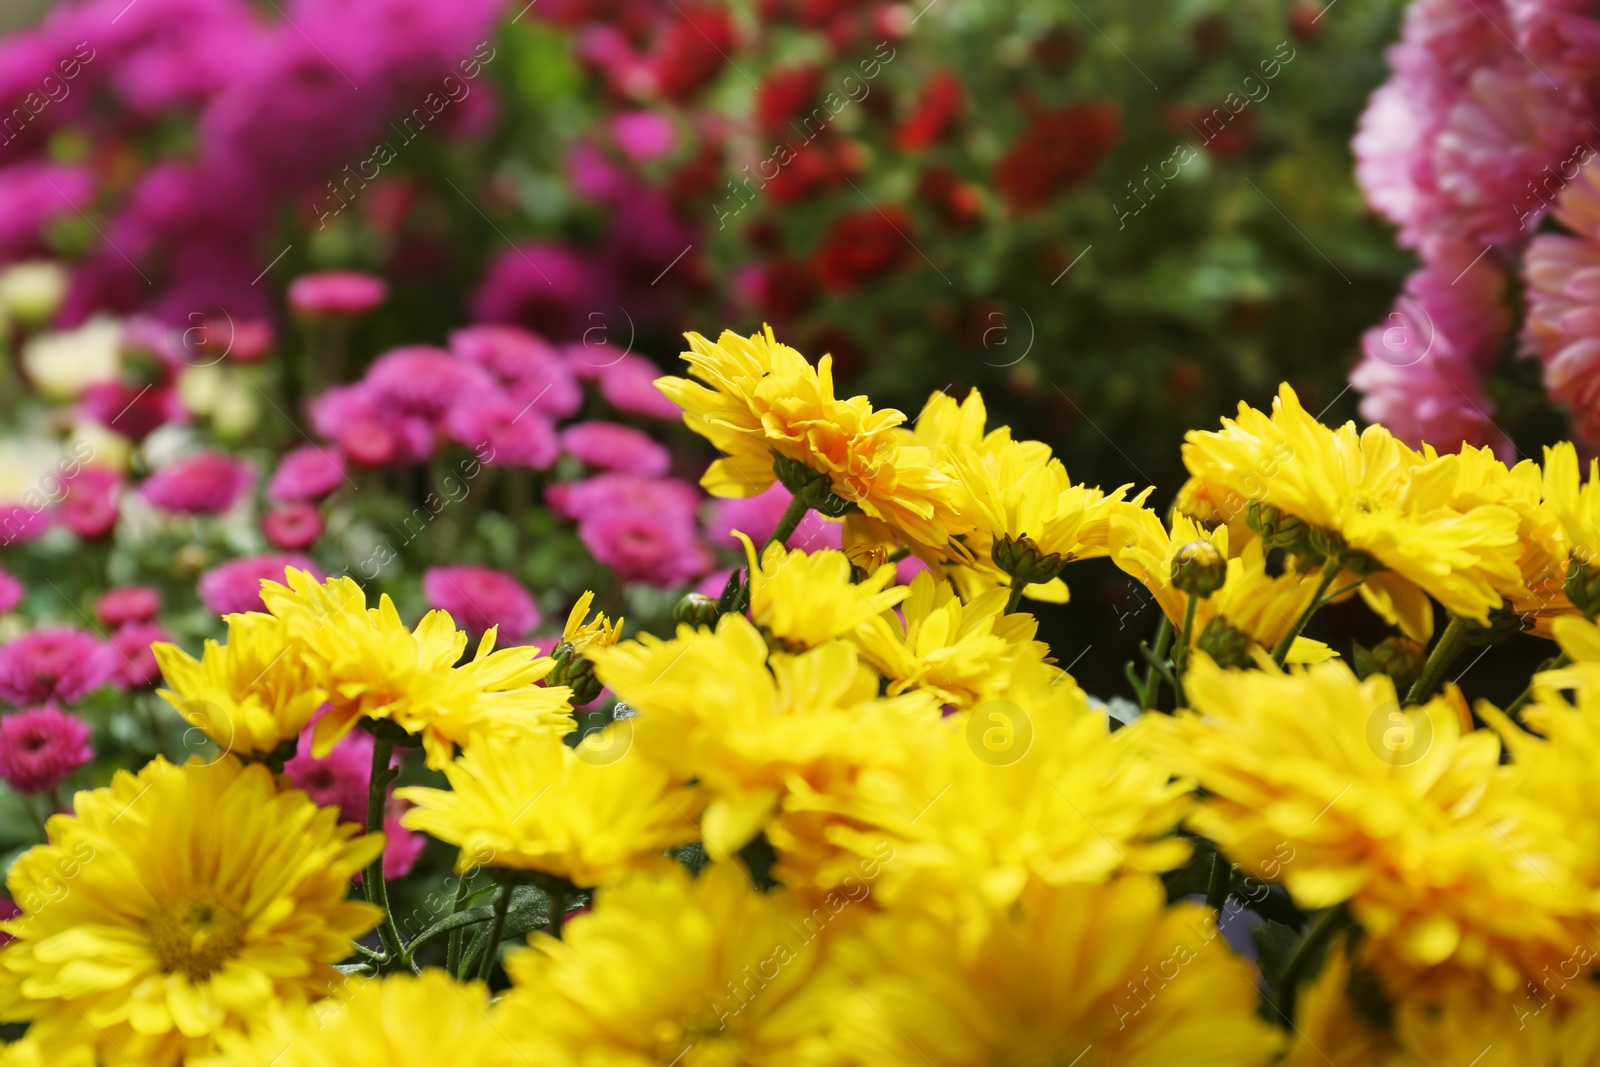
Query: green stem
[[789, 523], [1317, 934], [1330, 571], [372, 882], [1014, 601], [497, 925], [452, 959], [1451, 644], [1181, 656], [1554, 663], [1217, 889], [1163, 642], [558, 911]]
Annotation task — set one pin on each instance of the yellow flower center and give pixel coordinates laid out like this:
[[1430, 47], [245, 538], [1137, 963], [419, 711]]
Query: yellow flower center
[[196, 935]]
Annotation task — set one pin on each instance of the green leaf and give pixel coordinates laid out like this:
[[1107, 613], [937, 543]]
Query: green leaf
[[1275, 942]]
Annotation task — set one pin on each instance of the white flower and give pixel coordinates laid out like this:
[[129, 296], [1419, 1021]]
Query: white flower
[[32, 291], [62, 365]]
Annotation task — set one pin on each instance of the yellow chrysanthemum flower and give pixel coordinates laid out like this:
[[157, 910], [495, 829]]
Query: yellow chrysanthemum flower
[[1088, 975], [370, 665], [199, 896], [1405, 813], [765, 400], [1025, 789], [961, 652], [1028, 519], [246, 695], [427, 1020], [803, 600], [669, 969], [711, 708], [1362, 498], [1251, 609], [583, 633], [533, 803]]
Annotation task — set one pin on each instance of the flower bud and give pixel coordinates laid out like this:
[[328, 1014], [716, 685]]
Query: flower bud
[[1021, 559], [1583, 587], [1397, 656], [575, 672], [697, 610], [1199, 569], [1226, 643]]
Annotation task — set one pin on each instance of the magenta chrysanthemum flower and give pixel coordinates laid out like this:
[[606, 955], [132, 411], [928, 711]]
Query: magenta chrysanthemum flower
[[40, 747], [59, 664], [20, 524], [480, 597], [90, 506], [640, 547], [336, 292], [758, 516], [309, 472], [533, 370], [611, 446], [135, 664], [501, 435], [629, 385], [12, 592], [672, 500], [203, 484], [402, 847], [423, 381], [292, 526], [235, 586], [128, 603], [134, 411]]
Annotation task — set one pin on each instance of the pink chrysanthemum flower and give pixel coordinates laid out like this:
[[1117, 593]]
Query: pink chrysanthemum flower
[[203, 484], [20, 524], [340, 780], [61, 664], [292, 526], [639, 547], [1563, 294], [135, 664], [90, 507], [758, 516], [423, 381], [336, 292], [1421, 375], [611, 446], [309, 472], [671, 500], [480, 597], [40, 747], [12, 592], [629, 385], [369, 435], [128, 603], [134, 411], [502, 435], [235, 586], [525, 363]]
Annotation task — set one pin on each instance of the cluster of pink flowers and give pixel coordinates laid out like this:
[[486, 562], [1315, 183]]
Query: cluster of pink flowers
[[40, 744], [500, 392], [281, 103], [1485, 126]]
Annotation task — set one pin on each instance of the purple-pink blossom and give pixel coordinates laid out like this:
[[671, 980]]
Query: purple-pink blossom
[[204, 484], [235, 586], [308, 472], [12, 592], [135, 663], [40, 747], [128, 603], [90, 507], [610, 446], [60, 663], [337, 292], [480, 597]]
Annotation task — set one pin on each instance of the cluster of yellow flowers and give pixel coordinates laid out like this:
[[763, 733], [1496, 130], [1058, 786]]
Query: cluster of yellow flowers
[[837, 820]]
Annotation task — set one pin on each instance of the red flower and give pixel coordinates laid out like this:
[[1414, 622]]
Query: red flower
[[786, 287], [692, 50], [1059, 150], [955, 202], [784, 93], [861, 245], [935, 115]]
